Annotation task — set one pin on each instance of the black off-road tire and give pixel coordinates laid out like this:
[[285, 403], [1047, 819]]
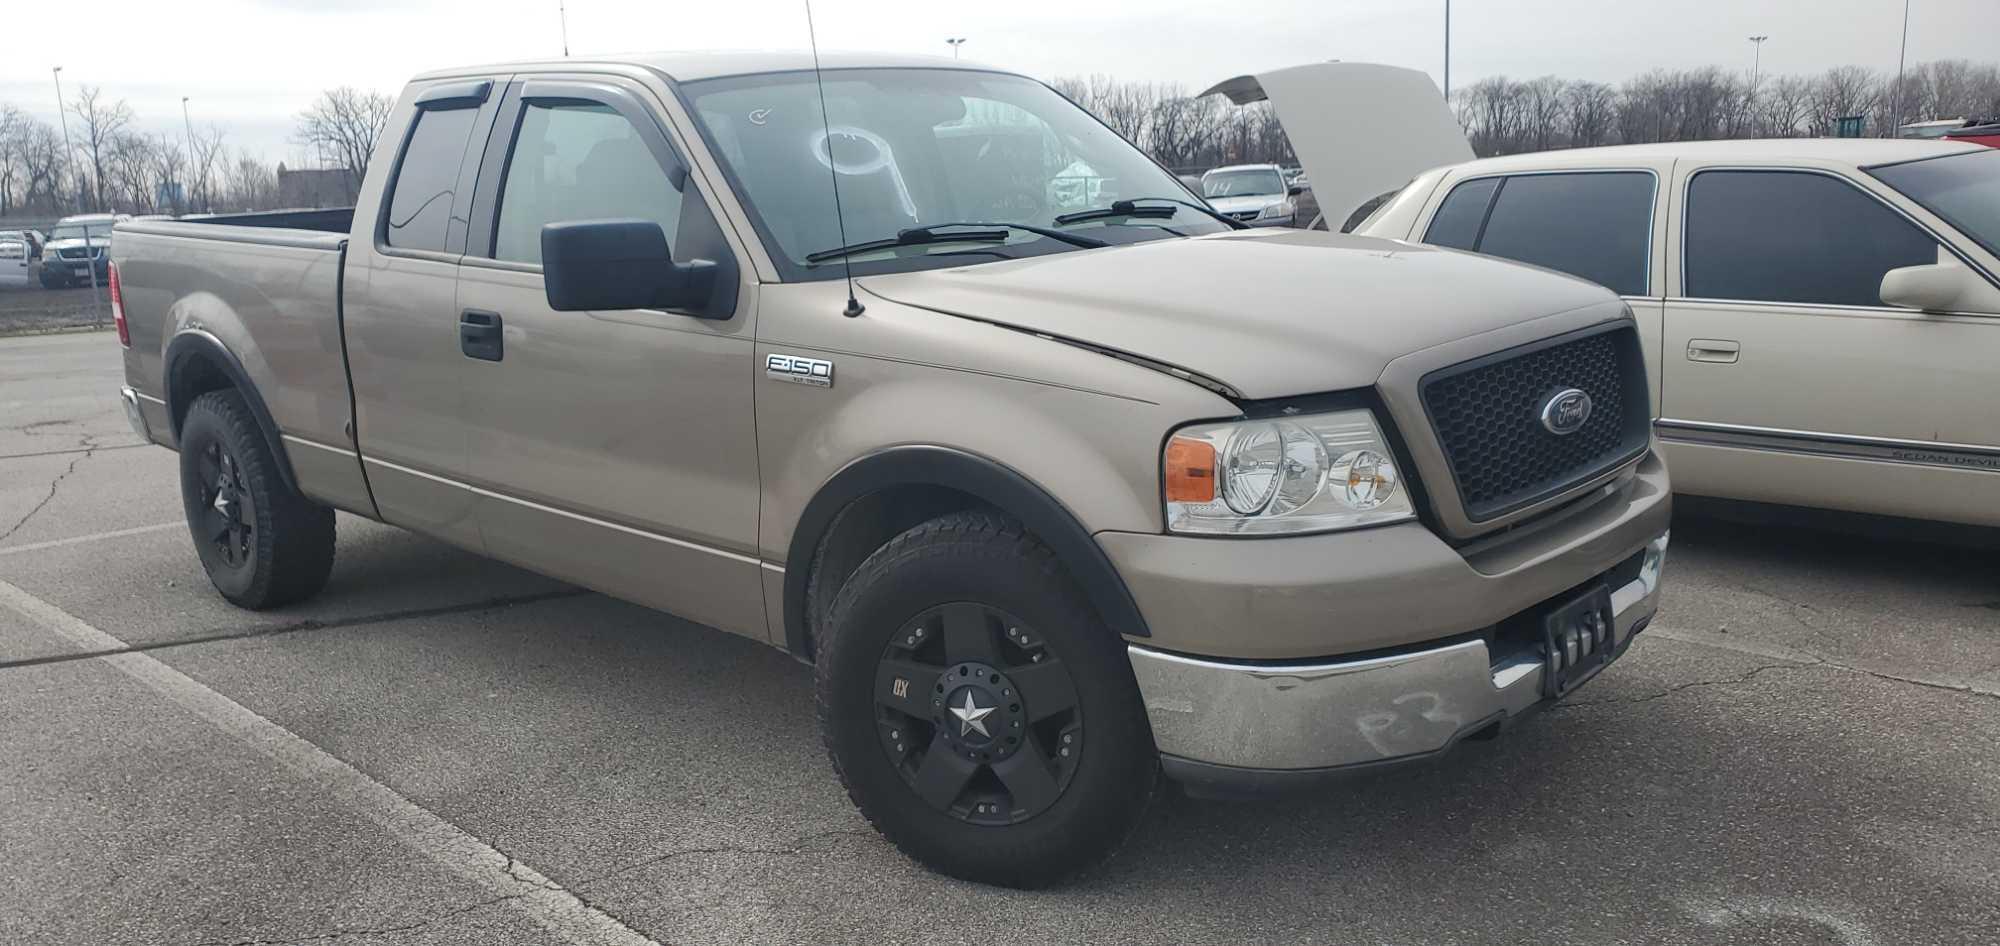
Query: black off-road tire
[[278, 550], [1104, 757]]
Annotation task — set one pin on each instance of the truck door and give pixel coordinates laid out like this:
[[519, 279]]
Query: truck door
[[613, 449], [400, 325]]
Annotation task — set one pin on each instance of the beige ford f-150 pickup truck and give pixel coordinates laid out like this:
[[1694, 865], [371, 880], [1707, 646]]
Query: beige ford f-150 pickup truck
[[1074, 483]]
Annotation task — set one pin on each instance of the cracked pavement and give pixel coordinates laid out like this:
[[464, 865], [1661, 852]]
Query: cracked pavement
[[1804, 749]]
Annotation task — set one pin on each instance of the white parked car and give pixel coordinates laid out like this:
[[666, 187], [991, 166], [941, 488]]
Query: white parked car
[[1821, 317], [16, 252], [1256, 194]]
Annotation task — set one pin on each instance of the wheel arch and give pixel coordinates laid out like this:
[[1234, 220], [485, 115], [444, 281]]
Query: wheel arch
[[197, 363], [932, 480]]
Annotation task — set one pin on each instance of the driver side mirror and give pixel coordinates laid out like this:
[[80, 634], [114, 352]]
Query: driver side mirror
[[1294, 190], [1947, 285], [607, 265]]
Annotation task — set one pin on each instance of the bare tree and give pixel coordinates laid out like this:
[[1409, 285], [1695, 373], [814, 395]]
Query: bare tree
[[13, 132], [1781, 105], [1544, 116], [205, 165], [345, 123], [100, 123], [1183, 126], [1841, 92], [250, 184], [1593, 106]]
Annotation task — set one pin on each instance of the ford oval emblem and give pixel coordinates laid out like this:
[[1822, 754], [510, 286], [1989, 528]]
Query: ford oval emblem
[[1565, 411]]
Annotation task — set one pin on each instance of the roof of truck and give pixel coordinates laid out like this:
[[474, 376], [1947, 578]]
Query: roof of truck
[[711, 64], [1860, 152]]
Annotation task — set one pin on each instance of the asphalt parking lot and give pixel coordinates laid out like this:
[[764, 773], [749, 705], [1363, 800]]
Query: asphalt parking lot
[[1804, 749]]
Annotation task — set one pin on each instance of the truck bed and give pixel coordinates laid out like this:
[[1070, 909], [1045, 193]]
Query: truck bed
[[267, 294], [331, 220]]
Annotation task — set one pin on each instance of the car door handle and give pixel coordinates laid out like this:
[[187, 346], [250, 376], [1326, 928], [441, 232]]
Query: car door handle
[[479, 335], [1716, 350]]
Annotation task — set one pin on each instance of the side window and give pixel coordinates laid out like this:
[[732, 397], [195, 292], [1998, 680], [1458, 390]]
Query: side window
[[579, 161], [1793, 236], [1458, 218], [420, 203], [1598, 225]]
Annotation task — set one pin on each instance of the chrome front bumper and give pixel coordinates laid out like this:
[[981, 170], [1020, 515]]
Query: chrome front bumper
[[1210, 716]]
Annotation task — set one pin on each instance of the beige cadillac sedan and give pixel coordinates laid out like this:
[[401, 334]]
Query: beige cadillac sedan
[[1821, 318]]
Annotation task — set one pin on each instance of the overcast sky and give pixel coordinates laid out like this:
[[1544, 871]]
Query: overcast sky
[[250, 65]]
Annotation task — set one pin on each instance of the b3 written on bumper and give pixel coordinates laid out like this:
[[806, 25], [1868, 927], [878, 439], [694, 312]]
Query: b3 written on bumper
[[1263, 725]]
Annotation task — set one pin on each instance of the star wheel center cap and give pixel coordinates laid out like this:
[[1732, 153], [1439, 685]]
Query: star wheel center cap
[[979, 711], [971, 716]]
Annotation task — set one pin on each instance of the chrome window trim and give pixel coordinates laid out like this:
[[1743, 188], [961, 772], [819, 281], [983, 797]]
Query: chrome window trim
[[1680, 267], [1652, 210]]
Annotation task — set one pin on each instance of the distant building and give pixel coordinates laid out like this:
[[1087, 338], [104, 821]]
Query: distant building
[[317, 187]]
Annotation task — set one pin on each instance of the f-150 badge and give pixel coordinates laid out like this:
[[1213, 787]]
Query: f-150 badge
[[799, 370]]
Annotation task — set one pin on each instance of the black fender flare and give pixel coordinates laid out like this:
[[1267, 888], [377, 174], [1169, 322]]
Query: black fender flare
[[982, 478], [190, 345]]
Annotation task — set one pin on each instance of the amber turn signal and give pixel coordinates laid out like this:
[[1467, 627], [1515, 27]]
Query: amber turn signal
[[1190, 471]]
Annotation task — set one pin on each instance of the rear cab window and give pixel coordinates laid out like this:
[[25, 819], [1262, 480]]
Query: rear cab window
[[419, 207], [1796, 236], [1597, 225]]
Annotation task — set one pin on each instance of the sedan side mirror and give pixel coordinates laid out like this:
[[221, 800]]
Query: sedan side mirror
[[607, 265], [1947, 285]]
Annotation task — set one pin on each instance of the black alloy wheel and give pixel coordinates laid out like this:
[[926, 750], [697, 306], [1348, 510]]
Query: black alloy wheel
[[229, 520], [977, 716], [958, 673]]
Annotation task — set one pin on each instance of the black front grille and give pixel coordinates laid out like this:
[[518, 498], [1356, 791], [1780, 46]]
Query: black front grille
[[76, 252], [1487, 415]]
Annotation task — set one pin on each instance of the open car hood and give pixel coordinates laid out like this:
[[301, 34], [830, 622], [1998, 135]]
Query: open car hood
[[1360, 129]]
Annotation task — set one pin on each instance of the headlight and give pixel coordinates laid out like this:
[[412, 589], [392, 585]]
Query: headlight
[[1310, 473], [1282, 208]]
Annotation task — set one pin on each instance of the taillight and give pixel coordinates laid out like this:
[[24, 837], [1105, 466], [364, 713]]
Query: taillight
[[118, 308]]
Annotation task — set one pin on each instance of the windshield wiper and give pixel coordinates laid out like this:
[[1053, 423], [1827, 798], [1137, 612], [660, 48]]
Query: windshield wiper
[[1130, 208], [919, 236]]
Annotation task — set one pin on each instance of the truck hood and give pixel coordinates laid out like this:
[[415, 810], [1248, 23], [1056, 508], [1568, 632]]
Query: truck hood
[[1269, 313], [1359, 129]]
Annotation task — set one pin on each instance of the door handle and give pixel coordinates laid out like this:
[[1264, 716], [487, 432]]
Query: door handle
[[1719, 351], [479, 335]]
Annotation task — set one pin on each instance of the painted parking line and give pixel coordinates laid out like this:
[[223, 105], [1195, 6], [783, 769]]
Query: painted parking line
[[511, 882], [93, 537]]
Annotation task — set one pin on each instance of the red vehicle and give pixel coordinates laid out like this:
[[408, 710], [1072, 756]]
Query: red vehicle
[[1984, 132]]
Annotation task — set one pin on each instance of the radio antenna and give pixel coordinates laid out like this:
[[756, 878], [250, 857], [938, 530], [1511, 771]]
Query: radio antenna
[[854, 306]]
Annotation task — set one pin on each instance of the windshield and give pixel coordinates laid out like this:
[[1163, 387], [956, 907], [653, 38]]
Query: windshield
[[75, 231], [1258, 183], [923, 148], [1962, 188]]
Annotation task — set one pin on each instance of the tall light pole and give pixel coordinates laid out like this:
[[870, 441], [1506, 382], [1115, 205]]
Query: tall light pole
[[1756, 61], [1896, 94], [562, 12], [69, 153], [1447, 50], [189, 122], [954, 43], [69, 150]]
